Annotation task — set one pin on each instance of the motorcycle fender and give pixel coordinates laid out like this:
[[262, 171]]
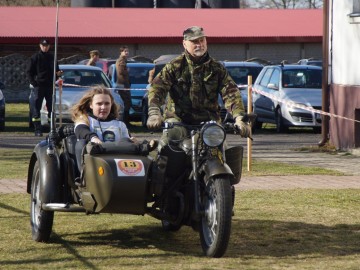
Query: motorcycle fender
[[214, 167], [50, 173]]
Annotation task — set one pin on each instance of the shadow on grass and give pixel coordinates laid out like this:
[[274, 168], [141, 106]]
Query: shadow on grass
[[259, 238]]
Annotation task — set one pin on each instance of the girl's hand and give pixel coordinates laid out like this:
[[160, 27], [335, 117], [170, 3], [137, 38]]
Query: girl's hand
[[96, 140]]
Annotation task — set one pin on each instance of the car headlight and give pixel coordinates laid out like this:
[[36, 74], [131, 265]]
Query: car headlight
[[292, 105], [212, 134]]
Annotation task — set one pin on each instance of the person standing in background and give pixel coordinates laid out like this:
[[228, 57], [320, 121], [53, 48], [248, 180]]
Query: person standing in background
[[123, 82], [40, 72], [94, 57]]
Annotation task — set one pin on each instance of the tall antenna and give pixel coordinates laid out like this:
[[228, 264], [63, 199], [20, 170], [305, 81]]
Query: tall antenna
[[52, 133]]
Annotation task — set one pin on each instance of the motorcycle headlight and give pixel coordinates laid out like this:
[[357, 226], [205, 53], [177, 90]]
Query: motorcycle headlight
[[213, 135]]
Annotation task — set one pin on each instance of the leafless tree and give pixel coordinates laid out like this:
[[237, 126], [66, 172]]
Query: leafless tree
[[45, 3], [287, 4]]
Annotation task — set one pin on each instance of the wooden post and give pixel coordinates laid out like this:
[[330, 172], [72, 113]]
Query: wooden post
[[249, 110], [60, 84]]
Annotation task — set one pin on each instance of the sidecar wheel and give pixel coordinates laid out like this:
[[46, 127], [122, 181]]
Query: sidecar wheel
[[215, 225], [41, 221], [168, 227]]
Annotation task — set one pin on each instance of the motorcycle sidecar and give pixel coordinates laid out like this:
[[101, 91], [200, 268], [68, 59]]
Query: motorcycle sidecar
[[115, 180]]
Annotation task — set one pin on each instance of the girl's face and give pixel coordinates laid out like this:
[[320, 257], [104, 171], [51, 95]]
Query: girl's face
[[101, 106]]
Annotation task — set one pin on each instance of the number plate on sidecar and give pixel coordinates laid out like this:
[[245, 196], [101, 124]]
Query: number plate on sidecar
[[130, 167]]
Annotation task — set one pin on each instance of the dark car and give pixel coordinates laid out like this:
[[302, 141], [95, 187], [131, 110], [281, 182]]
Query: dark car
[[239, 72], [2, 107]]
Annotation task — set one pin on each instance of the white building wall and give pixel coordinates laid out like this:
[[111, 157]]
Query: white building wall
[[345, 44]]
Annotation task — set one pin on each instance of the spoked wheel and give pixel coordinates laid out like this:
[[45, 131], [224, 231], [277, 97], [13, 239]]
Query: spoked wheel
[[215, 225], [41, 221]]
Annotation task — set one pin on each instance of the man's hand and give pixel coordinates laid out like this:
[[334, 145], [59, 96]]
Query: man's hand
[[245, 129], [155, 119]]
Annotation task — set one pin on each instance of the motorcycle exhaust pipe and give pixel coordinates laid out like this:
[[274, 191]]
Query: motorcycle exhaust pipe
[[62, 207]]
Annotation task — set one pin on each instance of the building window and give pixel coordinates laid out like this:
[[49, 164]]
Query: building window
[[354, 16]]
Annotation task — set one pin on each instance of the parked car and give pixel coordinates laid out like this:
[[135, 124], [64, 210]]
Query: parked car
[[103, 63], [77, 79], [2, 107], [239, 71], [310, 61], [293, 85], [139, 75]]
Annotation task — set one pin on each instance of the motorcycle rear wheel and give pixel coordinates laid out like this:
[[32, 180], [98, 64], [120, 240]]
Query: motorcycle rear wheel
[[215, 225], [41, 221]]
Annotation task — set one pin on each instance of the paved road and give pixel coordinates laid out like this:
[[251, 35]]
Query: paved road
[[266, 146]]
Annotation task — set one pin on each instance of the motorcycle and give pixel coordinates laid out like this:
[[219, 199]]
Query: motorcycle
[[188, 183]]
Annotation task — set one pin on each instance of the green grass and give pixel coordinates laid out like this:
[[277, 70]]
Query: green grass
[[291, 229], [17, 118]]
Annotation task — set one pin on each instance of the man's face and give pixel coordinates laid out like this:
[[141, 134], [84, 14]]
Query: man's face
[[44, 48], [197, 47]]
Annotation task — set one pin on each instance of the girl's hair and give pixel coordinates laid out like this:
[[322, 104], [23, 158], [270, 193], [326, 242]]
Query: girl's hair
[[82, 108]]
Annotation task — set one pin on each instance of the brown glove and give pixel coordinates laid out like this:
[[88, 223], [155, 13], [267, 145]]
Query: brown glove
[[155, 119], [245, 129]]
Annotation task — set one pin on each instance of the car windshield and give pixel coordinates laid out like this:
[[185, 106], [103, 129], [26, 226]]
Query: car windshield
[[302, 78], [85, 78], [240, 74], [139, 75]]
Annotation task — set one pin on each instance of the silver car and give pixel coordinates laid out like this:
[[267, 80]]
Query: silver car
[[77, 79], [287, 95]]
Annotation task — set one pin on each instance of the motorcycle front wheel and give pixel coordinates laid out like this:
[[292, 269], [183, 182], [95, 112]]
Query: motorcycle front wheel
[[41, 221], [215, 224]]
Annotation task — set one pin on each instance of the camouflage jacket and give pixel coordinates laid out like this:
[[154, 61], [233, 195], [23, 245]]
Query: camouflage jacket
[[193, 90]]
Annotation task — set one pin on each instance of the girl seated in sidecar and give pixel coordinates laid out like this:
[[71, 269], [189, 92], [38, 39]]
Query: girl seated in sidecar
[[96, 117], [96, 120]]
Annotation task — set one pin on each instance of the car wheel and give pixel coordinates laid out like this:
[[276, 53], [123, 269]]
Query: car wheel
[[317, 130], [280, 127]]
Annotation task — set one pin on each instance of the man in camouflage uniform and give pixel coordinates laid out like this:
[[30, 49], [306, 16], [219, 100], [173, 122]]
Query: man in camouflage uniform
[[193, 81]]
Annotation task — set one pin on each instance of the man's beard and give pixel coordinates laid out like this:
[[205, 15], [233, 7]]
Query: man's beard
[[199, 53]]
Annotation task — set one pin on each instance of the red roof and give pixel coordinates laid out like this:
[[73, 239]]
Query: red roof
[[148, 25]]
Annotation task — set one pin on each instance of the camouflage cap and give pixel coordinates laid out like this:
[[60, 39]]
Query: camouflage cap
[[193, 32]]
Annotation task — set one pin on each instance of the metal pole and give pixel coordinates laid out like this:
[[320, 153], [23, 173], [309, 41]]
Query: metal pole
[[249, 110], [50, 150]]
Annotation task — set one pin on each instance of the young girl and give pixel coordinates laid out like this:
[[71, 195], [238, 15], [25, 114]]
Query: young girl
[[96, 117]]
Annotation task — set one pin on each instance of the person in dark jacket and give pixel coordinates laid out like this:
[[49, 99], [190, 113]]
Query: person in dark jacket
[[40, 72]]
